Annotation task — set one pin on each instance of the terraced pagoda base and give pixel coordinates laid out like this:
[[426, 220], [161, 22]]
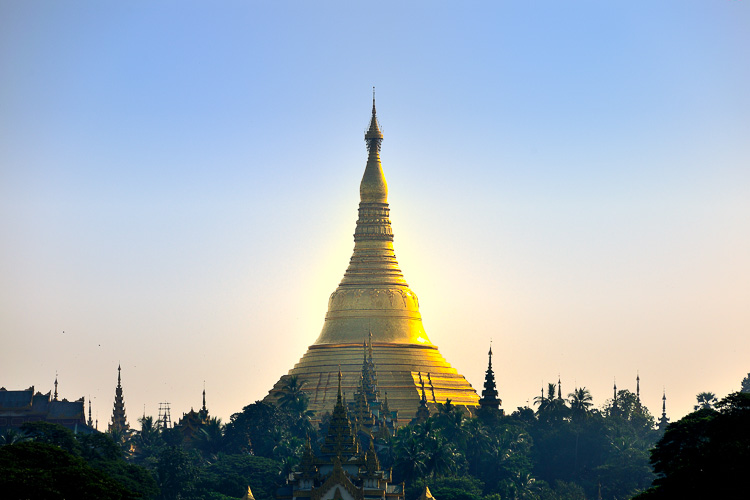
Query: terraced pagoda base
[[398, 367]]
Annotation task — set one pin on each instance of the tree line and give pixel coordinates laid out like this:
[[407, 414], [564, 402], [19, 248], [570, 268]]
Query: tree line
[[562, 449]]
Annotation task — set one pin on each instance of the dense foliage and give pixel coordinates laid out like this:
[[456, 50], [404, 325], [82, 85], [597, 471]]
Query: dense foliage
[[705, 454], [563, 450]]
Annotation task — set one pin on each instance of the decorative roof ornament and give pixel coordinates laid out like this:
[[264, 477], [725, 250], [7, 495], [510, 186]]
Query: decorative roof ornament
[[119, 420], [615, 407], [638, 389], [426, 494], [490, 398], [663, 421], [340, 441], [248, 495], [373, 188]]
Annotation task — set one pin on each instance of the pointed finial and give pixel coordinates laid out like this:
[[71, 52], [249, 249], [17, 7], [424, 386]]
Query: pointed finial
[[118, 374], [248, 495], [638, 387], [373, 131], [614, 398], [559, 387], [204, 396], [339, 394], [55, 398]]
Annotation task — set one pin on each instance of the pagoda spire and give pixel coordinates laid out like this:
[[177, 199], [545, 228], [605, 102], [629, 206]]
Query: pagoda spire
[[55, 396], [423, 412], [119, 420], [373, 297], [489, 394], [90, 422], [340, 441], [373, 188], [615, 408], [203, 413], [663, 421], [638, 390], [559, 387]]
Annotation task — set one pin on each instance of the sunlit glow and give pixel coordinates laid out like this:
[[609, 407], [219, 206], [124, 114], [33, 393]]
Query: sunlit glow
[[569, 181]]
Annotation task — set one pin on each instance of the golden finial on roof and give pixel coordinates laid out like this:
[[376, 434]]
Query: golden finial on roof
[[426, 494], [373, 188], [249, 494]]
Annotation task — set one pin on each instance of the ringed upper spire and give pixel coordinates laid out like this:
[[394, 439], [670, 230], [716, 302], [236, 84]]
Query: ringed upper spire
[[373, 188]]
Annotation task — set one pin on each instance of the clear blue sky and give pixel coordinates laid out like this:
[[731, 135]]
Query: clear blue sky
[[179, 186]]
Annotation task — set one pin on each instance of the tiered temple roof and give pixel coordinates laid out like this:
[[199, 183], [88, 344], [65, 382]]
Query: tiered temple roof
[[119, 421], [19, 407], [490, 398], [342, 470]]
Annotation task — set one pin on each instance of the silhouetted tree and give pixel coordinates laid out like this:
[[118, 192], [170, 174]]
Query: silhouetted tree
[[704, 454], [580, 402], [706, 401]]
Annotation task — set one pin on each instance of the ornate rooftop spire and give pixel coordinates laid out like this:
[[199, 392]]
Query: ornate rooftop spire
[[489, 394], [638, 390], [373, 188], [55, 396], [340, 441], [119, 420], [663, 421], [559, 387], [423, 413], [615, 407], [248, 495], [426, 494]]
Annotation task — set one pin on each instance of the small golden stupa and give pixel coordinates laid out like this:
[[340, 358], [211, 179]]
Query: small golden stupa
[[374, 305]]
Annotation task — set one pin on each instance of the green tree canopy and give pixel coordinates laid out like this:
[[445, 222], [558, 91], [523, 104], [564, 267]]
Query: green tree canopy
[[37, 469], [705, 454]]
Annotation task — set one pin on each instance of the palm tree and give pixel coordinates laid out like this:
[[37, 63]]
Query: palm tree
[[706, 401], [580, 401], [208, 438], [409, 454], [12, 436], [545, 402], [551, 408], [441, 457], [292, 394]]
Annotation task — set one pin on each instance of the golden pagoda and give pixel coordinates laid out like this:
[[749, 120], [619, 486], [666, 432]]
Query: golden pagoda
[[373, 302]]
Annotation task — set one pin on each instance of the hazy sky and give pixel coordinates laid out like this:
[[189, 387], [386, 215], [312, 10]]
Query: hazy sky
[[179, 185]]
